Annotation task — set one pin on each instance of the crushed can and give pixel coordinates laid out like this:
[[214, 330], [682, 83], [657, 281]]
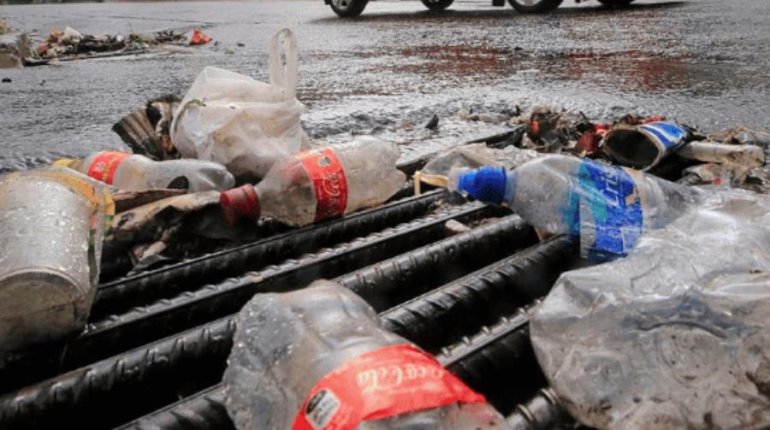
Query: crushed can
[[644, 146]]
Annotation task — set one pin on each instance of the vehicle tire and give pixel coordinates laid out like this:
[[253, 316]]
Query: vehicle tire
[[534, 6], [617, 3], [437, 5], [348, 8]]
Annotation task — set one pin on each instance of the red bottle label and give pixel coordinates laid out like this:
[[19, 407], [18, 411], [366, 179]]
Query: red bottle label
[[386, 382], [331, 186], [105, 165]]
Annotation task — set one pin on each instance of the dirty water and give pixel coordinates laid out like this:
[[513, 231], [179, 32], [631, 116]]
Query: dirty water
[[395, 67]]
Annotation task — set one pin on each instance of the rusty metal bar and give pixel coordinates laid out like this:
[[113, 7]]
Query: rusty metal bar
[[542, 412], [168, 281]]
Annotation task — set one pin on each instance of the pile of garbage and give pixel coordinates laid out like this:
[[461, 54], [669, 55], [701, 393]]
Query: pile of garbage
[[70, 43], [665, 328]]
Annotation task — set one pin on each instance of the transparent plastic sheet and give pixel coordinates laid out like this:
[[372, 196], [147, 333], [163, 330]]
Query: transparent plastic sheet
[[438, 170], [476, 155], [677, 334]]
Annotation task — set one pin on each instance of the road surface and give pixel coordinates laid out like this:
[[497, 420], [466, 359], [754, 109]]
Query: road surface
[[704, 62]]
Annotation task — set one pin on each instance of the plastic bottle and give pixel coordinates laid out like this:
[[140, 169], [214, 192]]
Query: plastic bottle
[[51, 228], [608, 207], [134, 172], [320, 183], [318, 358]]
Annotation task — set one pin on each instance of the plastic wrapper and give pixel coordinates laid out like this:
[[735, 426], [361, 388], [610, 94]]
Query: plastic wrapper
[[676, 335]]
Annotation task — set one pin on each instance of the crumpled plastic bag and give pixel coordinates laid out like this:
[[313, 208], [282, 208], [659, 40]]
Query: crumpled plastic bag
[[476, 155], [471, 156], [241, 123], [677, 334]]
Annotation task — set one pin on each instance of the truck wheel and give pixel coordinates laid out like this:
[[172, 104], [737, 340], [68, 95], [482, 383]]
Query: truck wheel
[[618, 3], [348, 8], [534, 6], [437, 5]]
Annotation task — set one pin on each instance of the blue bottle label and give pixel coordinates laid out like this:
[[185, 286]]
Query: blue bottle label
[[669, 134], [605, 210]]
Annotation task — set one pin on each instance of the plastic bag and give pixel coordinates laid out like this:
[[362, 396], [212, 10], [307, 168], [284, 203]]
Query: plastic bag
[[239, 122], [677, 334]]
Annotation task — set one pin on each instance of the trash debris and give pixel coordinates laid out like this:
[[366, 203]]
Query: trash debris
[[740, 158], [454, 227], [471, 156], [147, 130], [134, 172], [199, 38], [551, 131], [588, 144], [676, 335], [127, 200], [50, 247], [432, 123], [241, 123], [7, 80], [362, 376], [321, 183], [13, 50], [608, 207], [741, 136], [644, 146], [149, 223], [711, 174], [5, 27], [476, 155], [70, 44]]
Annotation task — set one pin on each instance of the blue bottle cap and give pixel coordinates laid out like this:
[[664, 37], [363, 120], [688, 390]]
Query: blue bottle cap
[[486, 184]]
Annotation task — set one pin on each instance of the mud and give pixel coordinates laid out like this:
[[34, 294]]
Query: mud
[[704, 62]]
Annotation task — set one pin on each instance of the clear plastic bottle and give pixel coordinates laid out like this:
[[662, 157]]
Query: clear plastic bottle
[[608, 207], [289, 346], [134, 172], [320, 183]]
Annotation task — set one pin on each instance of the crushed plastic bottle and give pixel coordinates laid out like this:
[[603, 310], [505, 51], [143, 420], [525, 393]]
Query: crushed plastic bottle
[[134, 172], [51, 227], [318, 359], [608, 207], [674, 336], [320, 184]]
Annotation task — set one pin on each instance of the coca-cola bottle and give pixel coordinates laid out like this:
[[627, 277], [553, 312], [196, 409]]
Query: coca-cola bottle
[[320, 183], [134, 172], [318, 359]]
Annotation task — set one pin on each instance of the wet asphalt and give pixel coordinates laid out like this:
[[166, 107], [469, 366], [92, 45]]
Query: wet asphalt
[[703, 62]]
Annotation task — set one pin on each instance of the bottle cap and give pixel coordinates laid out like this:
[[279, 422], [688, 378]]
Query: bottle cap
[[239, 202], [486, 184]]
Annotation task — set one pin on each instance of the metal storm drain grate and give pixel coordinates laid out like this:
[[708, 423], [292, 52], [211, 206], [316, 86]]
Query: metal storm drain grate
[[154, 352]]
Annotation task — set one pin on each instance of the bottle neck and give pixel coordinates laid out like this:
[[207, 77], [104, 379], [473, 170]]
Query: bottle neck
[[241, 202]]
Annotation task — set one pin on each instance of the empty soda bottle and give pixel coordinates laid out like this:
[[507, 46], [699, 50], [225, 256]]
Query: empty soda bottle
[[320, 183], [318, 359], [134, 172], [608, 207]]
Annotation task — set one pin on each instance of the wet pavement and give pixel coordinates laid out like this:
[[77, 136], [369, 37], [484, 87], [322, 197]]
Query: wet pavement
[[704, 62]]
